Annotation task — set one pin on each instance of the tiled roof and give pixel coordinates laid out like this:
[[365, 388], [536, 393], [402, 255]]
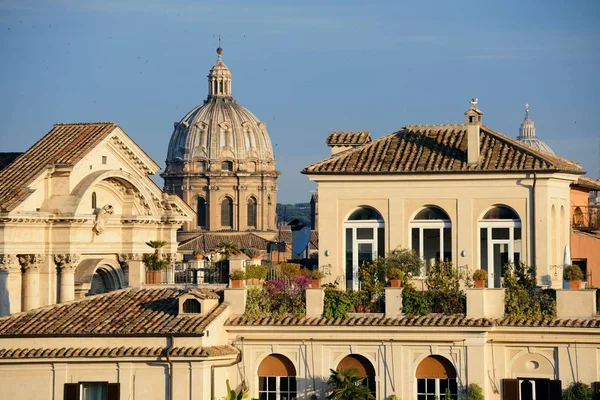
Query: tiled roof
[[426, 320], [440, 148], [348, 138], [207, 242], [110, 352], [588, 183], [64, 145], [7, 158], [126, 312]]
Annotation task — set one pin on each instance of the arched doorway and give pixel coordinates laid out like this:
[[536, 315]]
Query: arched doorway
[[276, 378], [500, 242], [431, 236], [435, 375], [364, 368], [364, 236]]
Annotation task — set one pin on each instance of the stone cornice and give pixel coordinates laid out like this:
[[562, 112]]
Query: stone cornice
[[122, 146]]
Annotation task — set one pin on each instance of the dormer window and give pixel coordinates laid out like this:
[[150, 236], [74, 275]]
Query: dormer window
[[192, 306]]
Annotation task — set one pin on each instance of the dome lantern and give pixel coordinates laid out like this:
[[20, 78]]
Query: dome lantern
[[219, 78], [527, 134]]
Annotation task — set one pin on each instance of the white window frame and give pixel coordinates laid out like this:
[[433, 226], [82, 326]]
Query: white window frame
[[354, 225], [437, 387], [277, 386], [489, 225], [422, 224]]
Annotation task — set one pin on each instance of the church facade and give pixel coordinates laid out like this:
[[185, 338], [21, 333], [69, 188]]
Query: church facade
[[220, 162], [76, 211]]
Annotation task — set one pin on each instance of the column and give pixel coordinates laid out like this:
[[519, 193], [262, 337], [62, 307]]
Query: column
[[31, 263], [10, 284], [67, 263]]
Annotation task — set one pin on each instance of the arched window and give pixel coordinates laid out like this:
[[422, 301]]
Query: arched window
[[227, 166], [364, 367], [577, 217], [435, 375], [192, 306], [364, 233], [276, 378], [252, 210], [500, 242], [94, 201], [201, 212], [431, 236], [227, 213]]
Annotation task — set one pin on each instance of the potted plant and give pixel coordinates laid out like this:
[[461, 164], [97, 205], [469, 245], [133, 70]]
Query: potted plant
[[574, 275], [395, 276], [256, 274], [237, 277], [480, 277], [254, 254], [198, 254], [316, 277], [154, 262]]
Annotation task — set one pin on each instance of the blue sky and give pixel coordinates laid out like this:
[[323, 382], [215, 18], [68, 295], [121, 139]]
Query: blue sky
[[304, 68]]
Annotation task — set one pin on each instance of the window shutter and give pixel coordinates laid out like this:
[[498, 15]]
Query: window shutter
[[555, 390], [114, 391], [542, 388], [510, 389], [71, 391]]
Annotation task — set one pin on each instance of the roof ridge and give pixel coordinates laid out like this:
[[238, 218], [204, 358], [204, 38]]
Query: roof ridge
[[85, 123]]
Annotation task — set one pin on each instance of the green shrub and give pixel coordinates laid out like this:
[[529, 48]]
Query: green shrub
[[316, 274], [237, 275], [524, 300], [415, 302], [395, 273], [337, 303], [256, 271], [578, 391], [573, 273], [258, 304], [474, 392], [289, 270], [480, 275], [408, 261]]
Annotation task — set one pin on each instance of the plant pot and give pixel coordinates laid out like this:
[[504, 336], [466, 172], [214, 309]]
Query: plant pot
[[153, 277], [315, 283], [360, 308], [480, 284], [198, 257], [396, 283], [574, 285], [237, 284]]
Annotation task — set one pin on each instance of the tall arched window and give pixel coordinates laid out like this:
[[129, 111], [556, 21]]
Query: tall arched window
[[251, 211], [364, 239], [435, 375], [201, 212], [94, 201], [364, 368], [499, 242], [276, 378], [431, 236], [227, 213]]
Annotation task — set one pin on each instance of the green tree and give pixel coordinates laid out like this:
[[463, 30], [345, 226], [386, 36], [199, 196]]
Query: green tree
[[347, 384], [578, 391]]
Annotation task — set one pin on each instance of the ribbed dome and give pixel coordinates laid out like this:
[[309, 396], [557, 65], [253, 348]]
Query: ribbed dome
[[527, 134], [221, 130]]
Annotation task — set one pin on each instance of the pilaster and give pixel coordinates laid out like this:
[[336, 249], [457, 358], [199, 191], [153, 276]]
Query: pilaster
[[10, 284], [31, 263], [67, 263]]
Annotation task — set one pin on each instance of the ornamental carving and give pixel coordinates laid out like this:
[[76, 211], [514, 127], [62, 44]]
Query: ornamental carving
[[124, 258], [9, 263], [31, 261], [67, 262], [101, 217], [171, 257], [213, 187], [241, 187]]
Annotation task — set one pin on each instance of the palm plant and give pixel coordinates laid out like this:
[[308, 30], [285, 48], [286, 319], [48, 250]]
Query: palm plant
[[227, 248], [347, 384], [154, 261]]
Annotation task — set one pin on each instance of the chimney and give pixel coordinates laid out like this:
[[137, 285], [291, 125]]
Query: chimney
[[473, 119], [343, 140]]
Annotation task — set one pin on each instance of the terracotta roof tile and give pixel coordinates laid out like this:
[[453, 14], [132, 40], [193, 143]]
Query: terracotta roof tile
[[441, 320], [348, 138], [440, 148], [126, 312], [114, 352], [588, 183], [64, 145], [208, 241]]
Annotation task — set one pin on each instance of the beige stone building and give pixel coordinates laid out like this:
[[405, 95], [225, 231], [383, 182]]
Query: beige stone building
[[75, 210], [220, 162], [460, 192]]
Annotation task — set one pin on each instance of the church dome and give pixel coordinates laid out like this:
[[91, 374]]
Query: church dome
[[220, 131], [527, 134]]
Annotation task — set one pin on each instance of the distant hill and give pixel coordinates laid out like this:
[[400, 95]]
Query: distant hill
[[287, 212]]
